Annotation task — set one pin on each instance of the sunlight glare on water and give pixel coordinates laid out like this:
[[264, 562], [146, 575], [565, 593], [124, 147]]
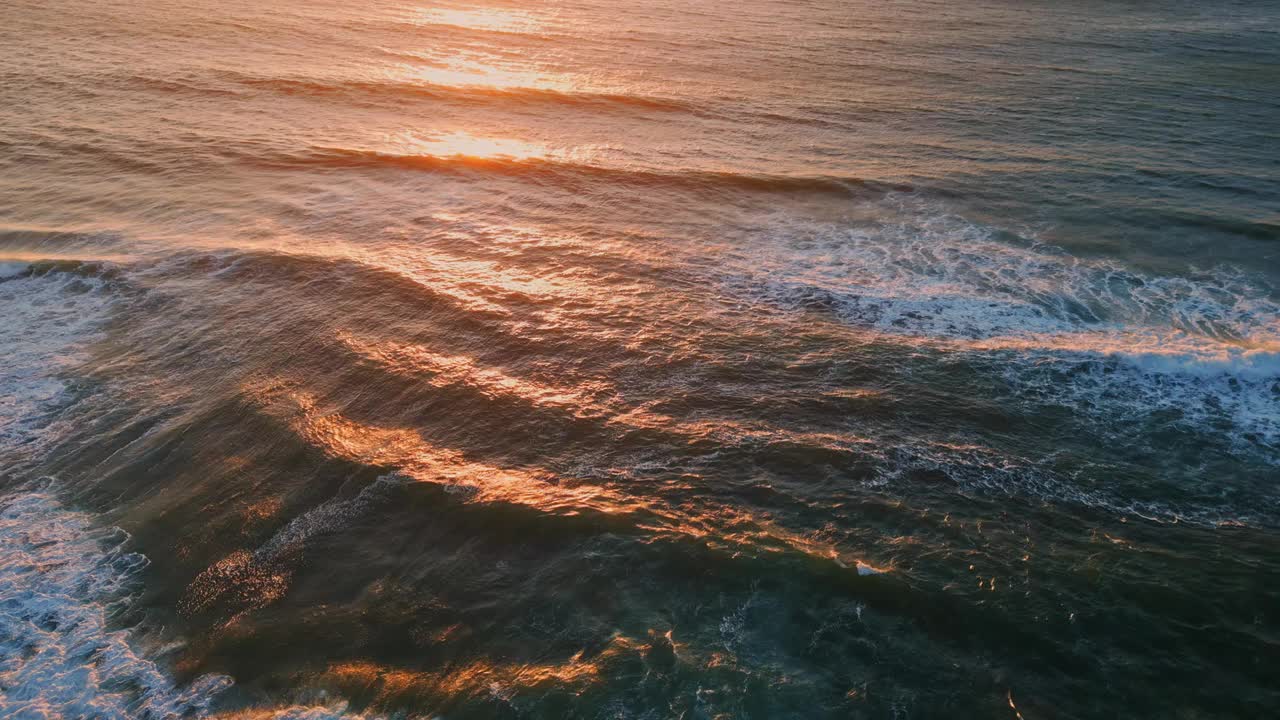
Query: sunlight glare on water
[[480, 18], [468, 73], [461, 144]]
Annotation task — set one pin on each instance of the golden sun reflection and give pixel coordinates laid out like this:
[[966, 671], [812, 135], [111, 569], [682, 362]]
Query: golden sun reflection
[[462, 144], [388, 684], [477, 74], [1170, 347], [492, 19], [443, 370], [417, 459]]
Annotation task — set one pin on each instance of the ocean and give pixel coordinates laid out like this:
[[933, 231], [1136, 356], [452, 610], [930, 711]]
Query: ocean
[[591, 359]]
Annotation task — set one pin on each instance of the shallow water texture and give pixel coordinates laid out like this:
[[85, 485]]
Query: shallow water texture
[[768, 360]]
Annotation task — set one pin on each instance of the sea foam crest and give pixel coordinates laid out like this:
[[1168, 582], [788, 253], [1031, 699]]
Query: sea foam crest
[[1092, 334], [62, 579], [46, 322], [944, 278]]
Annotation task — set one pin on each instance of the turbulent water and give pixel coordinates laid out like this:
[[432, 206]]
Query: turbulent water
[[827, 359]]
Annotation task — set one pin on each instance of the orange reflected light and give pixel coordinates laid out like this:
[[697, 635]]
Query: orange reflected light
[[477, 74], [388, 684], [461, 144], [494, 19], [417, 459]]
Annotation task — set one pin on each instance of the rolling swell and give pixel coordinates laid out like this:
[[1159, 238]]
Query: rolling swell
[[236, 586], [355, 408], [462, 365], [666, 413], [175, 455], [492, 412], [424, 382], [388, 91], [582, 176]]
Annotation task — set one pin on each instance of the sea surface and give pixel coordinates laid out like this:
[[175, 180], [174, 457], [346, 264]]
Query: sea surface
[[639, 360]]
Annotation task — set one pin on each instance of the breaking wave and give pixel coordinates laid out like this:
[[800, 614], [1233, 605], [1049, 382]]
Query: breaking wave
[[66, 581], [578, 174], [1093, 335], [50, 317]]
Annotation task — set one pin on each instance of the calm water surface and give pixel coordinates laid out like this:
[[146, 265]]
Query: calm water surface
[[590, 359]]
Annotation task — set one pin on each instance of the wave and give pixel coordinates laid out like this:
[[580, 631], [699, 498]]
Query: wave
[[582, 176], [942, 278], [1264, 230], [383, 90], [464, 89], [870, 461], [11, 269], [1071, 359], [246, 581], [178, 85], [51, 316], [66, 581], [1173, 353], [1093, 335], [392, 91]]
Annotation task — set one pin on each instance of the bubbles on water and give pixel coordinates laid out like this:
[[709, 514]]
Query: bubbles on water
[[245, 581], [62, 580], [47, 322], [938, 276], [1095, 336]]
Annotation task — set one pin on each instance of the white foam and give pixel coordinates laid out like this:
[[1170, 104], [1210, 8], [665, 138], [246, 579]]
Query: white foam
[[982, 470], [1115, 339], [943, 278], [46, 323], [337, 711], [330, 515], [1236, 362], [61, 579], [1232, 400], [12, 269]]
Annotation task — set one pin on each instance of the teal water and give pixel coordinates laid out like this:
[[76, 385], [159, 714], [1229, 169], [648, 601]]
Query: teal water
[[647, 360]]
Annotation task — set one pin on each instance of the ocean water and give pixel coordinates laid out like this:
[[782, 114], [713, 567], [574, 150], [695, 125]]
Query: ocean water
[[589, 359]]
